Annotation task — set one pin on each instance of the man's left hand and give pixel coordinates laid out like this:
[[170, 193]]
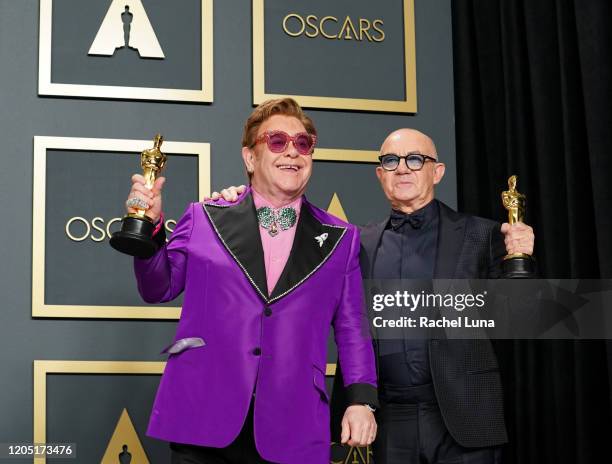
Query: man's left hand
[[518, 238], [358, 426]]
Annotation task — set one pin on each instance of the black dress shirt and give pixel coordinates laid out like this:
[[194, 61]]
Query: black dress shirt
[[407, 251]]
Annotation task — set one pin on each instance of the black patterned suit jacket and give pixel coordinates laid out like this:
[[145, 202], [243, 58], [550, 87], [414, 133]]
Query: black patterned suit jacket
[[465, 373]]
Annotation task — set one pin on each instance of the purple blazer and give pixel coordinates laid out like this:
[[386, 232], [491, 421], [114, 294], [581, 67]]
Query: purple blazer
[[233, 339]]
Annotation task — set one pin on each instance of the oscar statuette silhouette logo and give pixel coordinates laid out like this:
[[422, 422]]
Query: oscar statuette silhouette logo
[[126, 26], [343, 454], [335, 208], [124, 446]]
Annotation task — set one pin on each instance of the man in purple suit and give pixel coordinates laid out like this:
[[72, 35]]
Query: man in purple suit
[[264, 279]]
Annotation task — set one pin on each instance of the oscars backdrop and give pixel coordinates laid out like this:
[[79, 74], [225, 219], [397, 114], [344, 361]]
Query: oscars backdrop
[[85, 86]]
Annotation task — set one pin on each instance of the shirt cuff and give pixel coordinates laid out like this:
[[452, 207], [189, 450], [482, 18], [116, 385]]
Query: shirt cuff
[[159, 233], [362, 393]]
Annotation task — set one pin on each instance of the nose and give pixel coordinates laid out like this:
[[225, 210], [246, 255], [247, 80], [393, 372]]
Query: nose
[[403, 168], [291, 151]]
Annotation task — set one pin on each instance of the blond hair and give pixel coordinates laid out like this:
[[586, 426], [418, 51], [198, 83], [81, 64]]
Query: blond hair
[[282, 106]]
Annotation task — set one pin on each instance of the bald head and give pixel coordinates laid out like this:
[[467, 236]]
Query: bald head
[[410, 189], [408, 141]]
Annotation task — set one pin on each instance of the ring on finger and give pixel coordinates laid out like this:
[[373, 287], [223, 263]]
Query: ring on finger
[[137, 203]]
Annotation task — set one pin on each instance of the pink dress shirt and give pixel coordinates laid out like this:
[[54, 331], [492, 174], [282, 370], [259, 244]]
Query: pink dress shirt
[[276, 249]]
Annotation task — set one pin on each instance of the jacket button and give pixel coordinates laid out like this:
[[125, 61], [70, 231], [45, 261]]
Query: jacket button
[[268, 312], [257, 351]]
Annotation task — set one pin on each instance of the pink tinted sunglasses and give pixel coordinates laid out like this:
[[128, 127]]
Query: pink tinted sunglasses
[[278, 141]]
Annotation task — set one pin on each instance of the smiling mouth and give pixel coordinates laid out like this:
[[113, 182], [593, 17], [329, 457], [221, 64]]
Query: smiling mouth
[[288, 167]]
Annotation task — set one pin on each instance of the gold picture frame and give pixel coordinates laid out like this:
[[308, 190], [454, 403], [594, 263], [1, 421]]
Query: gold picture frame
[[42, 368], [47, 87], [341, 155], [41, 146], [409, 105]]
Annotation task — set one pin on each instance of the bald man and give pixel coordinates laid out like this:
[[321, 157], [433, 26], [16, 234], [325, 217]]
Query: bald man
[[441, 400]]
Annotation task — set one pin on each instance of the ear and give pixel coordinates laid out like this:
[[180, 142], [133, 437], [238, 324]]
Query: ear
[[439, 171], [380, 172], [248, 156]]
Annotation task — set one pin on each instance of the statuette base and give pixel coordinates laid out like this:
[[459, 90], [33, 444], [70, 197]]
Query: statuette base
[[518, 266], [135, 237]]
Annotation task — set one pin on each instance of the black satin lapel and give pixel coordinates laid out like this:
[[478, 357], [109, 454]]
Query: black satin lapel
[[451, 232], [238, 229], [306, 254]]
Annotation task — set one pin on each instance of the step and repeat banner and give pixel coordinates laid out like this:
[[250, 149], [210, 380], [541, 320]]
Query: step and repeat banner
[[85, 87]]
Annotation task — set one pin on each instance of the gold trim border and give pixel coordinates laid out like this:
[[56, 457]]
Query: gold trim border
[[396, 106], [46, 87], [341, 155], [44, 367], [41, 145]]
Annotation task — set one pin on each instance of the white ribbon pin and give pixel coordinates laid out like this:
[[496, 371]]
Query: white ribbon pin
[[321, 238]]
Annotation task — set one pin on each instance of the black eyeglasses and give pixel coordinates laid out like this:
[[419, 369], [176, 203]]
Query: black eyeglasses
[[414, 161]]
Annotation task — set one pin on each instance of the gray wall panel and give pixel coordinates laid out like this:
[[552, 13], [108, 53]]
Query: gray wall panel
[[305, 63], [76, 23]]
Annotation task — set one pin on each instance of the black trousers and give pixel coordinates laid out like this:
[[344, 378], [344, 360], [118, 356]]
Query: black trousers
[[411, 430], [241, 451]]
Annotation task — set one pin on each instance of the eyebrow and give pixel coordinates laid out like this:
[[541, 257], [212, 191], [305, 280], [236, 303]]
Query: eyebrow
[[409, 153]]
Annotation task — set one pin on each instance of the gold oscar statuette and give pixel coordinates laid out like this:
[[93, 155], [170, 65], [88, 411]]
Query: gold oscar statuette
[[516, 265], [136, 235]]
